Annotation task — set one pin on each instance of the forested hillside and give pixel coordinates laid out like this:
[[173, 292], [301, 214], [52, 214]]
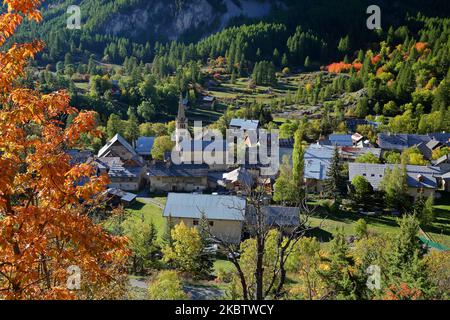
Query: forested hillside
[[305, 57]]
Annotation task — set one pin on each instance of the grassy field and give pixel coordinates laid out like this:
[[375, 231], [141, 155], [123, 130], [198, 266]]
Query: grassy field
[[328, 223], [142, 212], [331, 223]]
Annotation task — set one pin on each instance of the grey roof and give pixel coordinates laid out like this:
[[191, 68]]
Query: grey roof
[[160, 169], [443, 159], [118, 171], [354, 152], [425, 151], [340, 140], [124, 196], [317, 160], [106, 163], [402, 141], [245, 124], [121, 140], [374, 173], [215, 207], [277, 216], [200, 145], [240, 175], [433, 144], [144, 145]]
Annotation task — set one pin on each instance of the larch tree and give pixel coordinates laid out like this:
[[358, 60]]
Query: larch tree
[[45, 227]]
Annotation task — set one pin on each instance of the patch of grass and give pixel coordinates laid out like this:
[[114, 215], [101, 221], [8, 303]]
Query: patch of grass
[[222, 264], [439, 231], [141, 212]]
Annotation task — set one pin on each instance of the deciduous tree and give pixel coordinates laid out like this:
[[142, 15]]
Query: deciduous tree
[[44, 210]]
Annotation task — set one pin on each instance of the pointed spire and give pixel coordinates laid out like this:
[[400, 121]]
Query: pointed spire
[[181, 112]]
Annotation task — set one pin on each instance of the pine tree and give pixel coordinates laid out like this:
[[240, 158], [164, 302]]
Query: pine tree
[[307, 63], [132, 128], [114, 126], [206, 259], [335, 182], [298, 162], [341, 279], [167, 239], [405, 268]]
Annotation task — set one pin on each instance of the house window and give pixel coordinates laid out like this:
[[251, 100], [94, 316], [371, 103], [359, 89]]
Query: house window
[[364, 175], [372, 175], [195, 222]]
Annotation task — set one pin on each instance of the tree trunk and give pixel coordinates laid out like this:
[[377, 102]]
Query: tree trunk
[[259, 272]]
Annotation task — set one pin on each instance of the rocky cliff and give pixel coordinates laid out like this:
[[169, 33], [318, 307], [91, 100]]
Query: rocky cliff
[[168, 19]]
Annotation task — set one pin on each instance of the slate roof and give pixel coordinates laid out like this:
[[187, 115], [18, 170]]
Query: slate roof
[[118, 171], [201, 145], [240, 175], [374, 173], [402, 141], [144, 145], [121, 140], [353, 152], [124, 196], [443, 159], [276, 216], [317, 160], [340, 140], [160, 169], [215, 207], [245, 124], [105, 163]]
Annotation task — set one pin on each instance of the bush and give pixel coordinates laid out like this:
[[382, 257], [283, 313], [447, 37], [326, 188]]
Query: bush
[[167, 285]]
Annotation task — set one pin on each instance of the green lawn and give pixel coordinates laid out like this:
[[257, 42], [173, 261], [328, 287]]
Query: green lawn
[[222, 264], [330, 223], [141, 212]]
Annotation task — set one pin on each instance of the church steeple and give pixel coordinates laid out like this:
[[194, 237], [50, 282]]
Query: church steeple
[[181, 123], [181, 117]]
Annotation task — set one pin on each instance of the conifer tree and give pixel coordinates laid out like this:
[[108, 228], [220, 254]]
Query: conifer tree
[[335, 182]]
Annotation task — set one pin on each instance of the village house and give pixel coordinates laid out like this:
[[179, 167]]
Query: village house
[[350, 154], [225, 214], [119, 197], [421, 180], [243, 124], [239, 180], [193, 150], [169, 177], [317, 160], [401, 141], [339, 140], [125, 168]]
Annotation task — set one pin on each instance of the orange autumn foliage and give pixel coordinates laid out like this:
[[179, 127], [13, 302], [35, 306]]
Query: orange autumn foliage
[[357, 65], [420, 46], [402, 292], [44, 222], [338, 67], [376, 59]]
